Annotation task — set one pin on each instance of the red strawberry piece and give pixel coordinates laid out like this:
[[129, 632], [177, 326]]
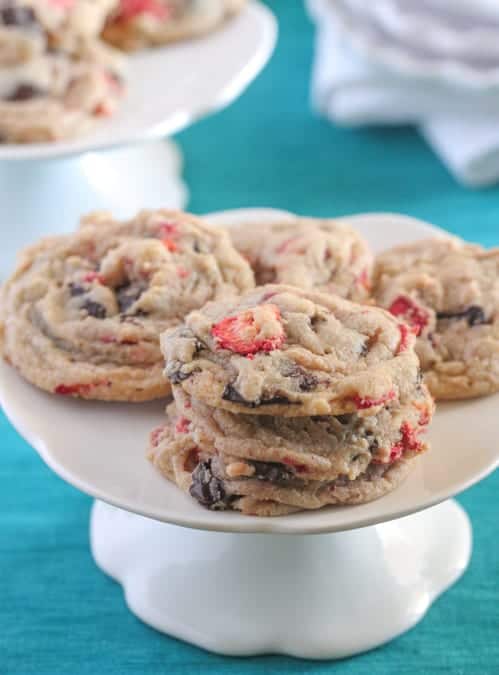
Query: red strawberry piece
[[404, 338], [168, 229], [155, 436], [255, 330], [170, 245], [182, 272], [93, 276], [131, 8], [411, 313], [72, 389], [300, 468], [182, 426], [102, 110], [78, 388], [363, 279], [409, 442], [362, 403]]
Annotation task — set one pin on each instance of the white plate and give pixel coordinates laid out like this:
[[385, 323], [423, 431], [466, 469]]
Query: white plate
[[376, 46], [100, 448], [171, 87]]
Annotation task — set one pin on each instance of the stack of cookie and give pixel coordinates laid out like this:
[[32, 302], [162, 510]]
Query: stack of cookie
[[287, 399], [56, 77]]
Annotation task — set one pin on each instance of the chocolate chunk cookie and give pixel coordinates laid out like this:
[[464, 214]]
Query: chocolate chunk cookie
[[325, 255], [279, 350], [447, 292], [82, 313]]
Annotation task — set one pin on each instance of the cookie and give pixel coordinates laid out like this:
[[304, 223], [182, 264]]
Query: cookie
[[48, 94], [69, 23], [279, 350], [447, 291], [137, 24], [269, 465], [324, 255], [82, 313]]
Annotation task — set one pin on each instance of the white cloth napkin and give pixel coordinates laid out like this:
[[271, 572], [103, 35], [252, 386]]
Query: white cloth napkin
[[460, 124]]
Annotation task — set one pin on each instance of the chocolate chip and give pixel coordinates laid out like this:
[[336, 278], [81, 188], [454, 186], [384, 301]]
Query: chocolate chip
[[94, 309], [344, 419], [474, 315], [127, 294], [305, 380], [25, 92], [175, 374], [230, 393], [207, 489], [12, 15], [76, 289], [273, 472], [275, 400], [195, 246]]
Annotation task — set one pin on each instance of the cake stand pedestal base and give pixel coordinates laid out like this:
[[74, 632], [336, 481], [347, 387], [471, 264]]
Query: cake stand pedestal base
[[312, 596], [38, 197]]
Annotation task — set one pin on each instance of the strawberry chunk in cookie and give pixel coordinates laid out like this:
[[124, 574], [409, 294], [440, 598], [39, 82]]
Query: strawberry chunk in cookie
[[408, 310], [256, 330]]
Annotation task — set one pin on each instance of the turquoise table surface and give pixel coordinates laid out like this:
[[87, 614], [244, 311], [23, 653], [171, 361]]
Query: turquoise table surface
[[58, 613]]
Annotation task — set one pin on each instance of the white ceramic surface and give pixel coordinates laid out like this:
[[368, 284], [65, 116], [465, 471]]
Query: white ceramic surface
[[325, 596], [374, 45], [171, 87], [99, 448], [49, 197]]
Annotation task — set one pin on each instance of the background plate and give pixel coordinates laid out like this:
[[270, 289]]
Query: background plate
[[173, 86]]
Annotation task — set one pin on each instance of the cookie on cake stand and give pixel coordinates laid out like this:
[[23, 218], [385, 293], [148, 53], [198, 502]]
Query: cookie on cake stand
[[234, 584], [45, 187]]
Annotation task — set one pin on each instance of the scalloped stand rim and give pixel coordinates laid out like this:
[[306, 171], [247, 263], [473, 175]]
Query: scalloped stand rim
[[244, 594]]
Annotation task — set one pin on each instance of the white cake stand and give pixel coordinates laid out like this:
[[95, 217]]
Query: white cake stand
[[46, 187], [244, 585]]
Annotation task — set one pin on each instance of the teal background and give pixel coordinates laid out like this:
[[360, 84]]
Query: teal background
[[58, 614]]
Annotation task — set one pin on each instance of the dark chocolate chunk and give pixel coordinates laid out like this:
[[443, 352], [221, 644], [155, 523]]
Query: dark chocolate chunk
[[344, 419], [273, 472], [175, 374], [127, 294], [76, 289], [13, 15], [207, 489], [230, 393], [305, 380], [275, 400], [474, 315], [25, 92], [94, 309]]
